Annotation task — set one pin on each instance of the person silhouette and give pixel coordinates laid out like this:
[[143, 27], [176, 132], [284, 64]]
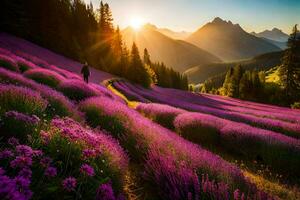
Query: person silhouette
[[85, 71]]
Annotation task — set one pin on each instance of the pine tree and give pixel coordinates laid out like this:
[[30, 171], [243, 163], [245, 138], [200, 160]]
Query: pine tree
[[108, 25], [245, 85], [227, 85], [137, 71], [147, 59], [289, 71], [237, 75]]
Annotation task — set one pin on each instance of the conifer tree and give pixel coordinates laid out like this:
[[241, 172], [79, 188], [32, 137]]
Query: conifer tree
[[147, 57], [138, 72], [237, 75], [227, 85], [289, 71]]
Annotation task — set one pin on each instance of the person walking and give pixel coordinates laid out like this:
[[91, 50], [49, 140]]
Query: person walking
[[85, 71]]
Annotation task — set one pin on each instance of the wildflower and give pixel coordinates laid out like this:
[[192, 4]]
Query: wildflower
[[23, 184], [2, 171], [45, 162], [6, 154], [8, 189], [13, 141], [106, 192], [22, 117], [51, 172], [21, 161], [88, 153], [24, 150], [236, 194], [87, 170], [69, 183], [25, 172], [45, 136]]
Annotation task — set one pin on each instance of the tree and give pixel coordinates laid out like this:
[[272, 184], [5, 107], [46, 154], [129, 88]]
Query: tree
[[137, 71], [147, 57], [237, 75], [289, 71], [227, 85]]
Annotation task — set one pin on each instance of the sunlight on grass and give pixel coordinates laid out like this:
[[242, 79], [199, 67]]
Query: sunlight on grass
[[273, 188], [131, 104], [272, 76]]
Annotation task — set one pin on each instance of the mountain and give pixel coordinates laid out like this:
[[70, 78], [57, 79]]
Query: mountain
[[178, 54], [201, 73], [229, 41], [173, 34], [281, 45], [274, 34]]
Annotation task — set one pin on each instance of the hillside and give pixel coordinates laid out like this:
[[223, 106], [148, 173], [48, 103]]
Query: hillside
[[84, 140], [229, 41], [281, 45], [274, 34], [18, 44], [177, 54], [173, 34], [200, 73]]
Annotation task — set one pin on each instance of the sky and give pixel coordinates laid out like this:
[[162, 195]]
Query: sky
[[190, 15]]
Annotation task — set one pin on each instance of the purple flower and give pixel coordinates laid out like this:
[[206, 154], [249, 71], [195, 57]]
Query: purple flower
[[22, 117], [236, 194], [88, 153], [6, 154], [25, 172], [23, 184], [24, 150], [87, 170], [2, 171], [69, 183], [51, 172], [13, 141], [21, 161], [105, 192], [46, 161], [9, 189]]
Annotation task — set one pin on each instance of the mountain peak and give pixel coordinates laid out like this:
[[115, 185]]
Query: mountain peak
[[218, 20], [276, 30], [150, 26]]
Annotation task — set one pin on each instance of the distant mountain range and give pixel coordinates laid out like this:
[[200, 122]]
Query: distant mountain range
[[274, 34], [173, 34], [211, 50], [201, 73], [281, 45], [229, 41], [178, 54]]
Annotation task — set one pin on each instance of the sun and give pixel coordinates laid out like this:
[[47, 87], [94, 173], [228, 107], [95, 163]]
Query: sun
[[136, 23]]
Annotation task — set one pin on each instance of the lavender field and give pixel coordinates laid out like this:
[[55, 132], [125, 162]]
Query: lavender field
[[62, 138]]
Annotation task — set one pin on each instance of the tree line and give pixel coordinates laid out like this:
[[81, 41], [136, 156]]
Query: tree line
[[80, 32], [251, 84]]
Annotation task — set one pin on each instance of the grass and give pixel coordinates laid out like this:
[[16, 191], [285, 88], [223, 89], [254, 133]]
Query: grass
[[131, 104], [274, 188]]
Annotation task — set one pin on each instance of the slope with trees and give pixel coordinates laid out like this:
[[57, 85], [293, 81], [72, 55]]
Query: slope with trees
[[177, 54], [252, 84], [77, 31], [201, 73]]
